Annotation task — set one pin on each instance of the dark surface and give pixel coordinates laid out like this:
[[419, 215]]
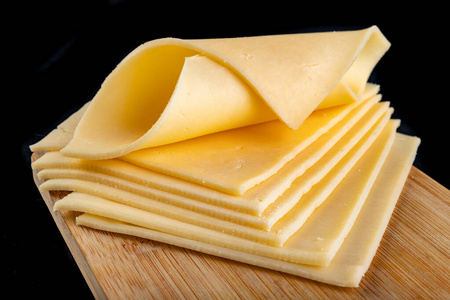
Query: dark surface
[[58, 53]]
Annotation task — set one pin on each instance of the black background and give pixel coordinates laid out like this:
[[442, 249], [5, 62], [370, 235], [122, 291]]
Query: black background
[[57, 53]]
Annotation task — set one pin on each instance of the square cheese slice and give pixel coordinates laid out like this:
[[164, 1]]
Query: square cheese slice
[[106, 186], [236, 160], [297, 249], [356, 253], [257, 199]]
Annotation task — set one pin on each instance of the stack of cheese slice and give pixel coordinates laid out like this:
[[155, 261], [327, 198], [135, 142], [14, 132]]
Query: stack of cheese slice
[[273, 150]]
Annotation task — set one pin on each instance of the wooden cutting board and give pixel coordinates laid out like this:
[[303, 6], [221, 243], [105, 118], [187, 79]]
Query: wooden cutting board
[[413, 260]]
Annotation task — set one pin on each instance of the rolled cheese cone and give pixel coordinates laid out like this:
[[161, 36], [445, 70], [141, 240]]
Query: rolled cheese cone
[[169, 90]]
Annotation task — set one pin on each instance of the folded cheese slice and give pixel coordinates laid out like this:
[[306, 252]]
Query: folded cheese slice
[[169, 90], [283, 149], [63, 133], [233, 161], [354, 256]]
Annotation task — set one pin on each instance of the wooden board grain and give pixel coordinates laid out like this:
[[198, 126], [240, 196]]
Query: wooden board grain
[[412, 262]]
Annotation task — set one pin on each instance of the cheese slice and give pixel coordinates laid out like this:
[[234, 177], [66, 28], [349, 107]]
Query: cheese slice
[[295, 217], [54, 141], [370, 126], [96, 170], [70, 124], [59, 137], [257, 199], [326, 228], [236, 160], [237, 173], [354, 256], [282, 230], [297, 249], [162, 208], [146, 101], [379, 116]]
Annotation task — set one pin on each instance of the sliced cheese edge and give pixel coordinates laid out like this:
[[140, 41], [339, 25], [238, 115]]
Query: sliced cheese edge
[[296, 248], [236, 160], [204, 159], [228, 221], [255, 200], [59, 137], [367, 133], [356, 253]]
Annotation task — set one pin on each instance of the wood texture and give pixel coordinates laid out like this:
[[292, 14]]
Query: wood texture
[[412, 262]]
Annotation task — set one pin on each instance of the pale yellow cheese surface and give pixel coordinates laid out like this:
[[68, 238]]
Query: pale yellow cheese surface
[[270, 150], [55, 140], [236, 160], [347, 267], [147, 100], [293, 251], [362, 134], [361, 180], [358, 249], [292, 217], [257, 199], [277, 236], [231, 162]]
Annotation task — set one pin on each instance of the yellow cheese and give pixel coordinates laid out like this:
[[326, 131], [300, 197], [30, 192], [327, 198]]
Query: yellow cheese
[[328, 162], [270, 150], [354, 256], [250, 165], [59, 137], [326, 228], [55, 140], [299, 248], [257, 199], [341, 94], [236, 160], [277, 236], [70, 124], [144, 177], [289, 220], [269, 216], [146, 101]]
